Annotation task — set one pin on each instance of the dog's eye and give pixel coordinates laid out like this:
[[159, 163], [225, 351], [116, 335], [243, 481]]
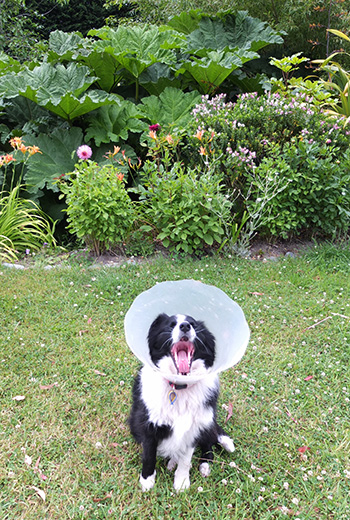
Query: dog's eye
[[173, 324]]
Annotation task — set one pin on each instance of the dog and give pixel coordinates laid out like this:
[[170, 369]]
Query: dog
[[169, 419]]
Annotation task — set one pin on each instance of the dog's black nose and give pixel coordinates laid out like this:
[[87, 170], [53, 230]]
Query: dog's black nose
[[185, 326]]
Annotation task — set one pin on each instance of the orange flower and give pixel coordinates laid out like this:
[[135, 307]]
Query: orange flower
[[120, 176], [202, 151], [8, 158], [16, 142], [22, 148], [33, 150], [153, 134], [169, 139], [199, 134]]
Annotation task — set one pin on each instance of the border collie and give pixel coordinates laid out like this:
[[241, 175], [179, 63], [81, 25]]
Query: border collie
[[169, 419]]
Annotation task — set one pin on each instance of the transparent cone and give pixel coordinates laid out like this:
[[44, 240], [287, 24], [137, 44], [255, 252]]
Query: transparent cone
[[221, 315]]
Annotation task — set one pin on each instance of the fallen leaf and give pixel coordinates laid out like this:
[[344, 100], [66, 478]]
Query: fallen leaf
[[89, 320], [109, 495], [40, 492], [229, 412], [19, 397], [48, 387], [257, 293], [303, 449], [308, 378]]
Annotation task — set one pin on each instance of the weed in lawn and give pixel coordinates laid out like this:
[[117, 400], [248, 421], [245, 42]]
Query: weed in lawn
[[64, 359]]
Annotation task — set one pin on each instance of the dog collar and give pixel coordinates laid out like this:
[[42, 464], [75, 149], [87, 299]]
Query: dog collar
[[177, 387], [172, 395]]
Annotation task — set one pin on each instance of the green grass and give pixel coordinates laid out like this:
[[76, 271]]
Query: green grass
[[62, 348]]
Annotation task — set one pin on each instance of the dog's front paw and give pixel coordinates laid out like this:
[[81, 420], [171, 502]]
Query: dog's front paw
[[227, 443], [204, 469], [147, 483], [181, 482]]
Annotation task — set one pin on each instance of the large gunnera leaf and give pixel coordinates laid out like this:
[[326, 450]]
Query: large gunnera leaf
[[171, 108], [209, 72], [112, 123], [60, 89], [55, 159]]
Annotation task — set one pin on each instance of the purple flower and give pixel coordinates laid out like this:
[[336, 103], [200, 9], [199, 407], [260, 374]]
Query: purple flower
[[154, 128], [84, 152]]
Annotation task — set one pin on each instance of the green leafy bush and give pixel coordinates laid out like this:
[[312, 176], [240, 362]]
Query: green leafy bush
[[189, 211], [99, 209], [317, 196]]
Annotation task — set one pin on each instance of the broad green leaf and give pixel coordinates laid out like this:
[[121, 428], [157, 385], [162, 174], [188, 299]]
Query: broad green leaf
[[186, 22], [70, 107], [112, 123], [55, 80], [172, 107], [58, 88], [54, 160], [8, 64], [157, 77], [65, 46], [108, 71], [136, 48], [232, 31], [211, 71]]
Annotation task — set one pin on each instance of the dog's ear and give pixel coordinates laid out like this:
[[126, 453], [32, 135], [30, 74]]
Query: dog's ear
[[161, 318]]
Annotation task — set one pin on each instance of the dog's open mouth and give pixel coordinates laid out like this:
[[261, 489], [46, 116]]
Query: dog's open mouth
[[182, 354]]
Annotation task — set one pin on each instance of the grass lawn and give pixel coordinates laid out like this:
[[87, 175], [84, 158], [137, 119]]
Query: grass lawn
[[65, 391]]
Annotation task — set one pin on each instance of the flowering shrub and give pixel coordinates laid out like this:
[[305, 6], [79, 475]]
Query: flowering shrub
[[288, 136], [99, 209]]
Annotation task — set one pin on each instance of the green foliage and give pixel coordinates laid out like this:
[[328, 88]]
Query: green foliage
[[172, 108], [60, 89], [187, 209], [99, 209], [55, 159], [113, 123], [338, 84], [22, 225], [317, 196]]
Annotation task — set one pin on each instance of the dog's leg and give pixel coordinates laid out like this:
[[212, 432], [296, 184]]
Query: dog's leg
[[172, 464], [182, 473], [206, 459], [224, 440], [149, 455]]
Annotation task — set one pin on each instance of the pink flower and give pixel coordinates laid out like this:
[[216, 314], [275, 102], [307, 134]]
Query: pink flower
[[154, 128], [84, 152]]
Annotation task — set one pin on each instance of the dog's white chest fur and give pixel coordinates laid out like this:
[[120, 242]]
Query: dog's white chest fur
[[187, 416]]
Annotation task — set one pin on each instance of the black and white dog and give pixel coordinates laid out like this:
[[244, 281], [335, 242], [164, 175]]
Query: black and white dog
[[172, 420]]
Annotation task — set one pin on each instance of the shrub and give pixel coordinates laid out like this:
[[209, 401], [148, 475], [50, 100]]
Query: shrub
[[99, 208], [259, 137], [188, 211]]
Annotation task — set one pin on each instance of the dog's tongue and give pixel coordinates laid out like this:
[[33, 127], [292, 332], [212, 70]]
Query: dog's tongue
[[182, 361]]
